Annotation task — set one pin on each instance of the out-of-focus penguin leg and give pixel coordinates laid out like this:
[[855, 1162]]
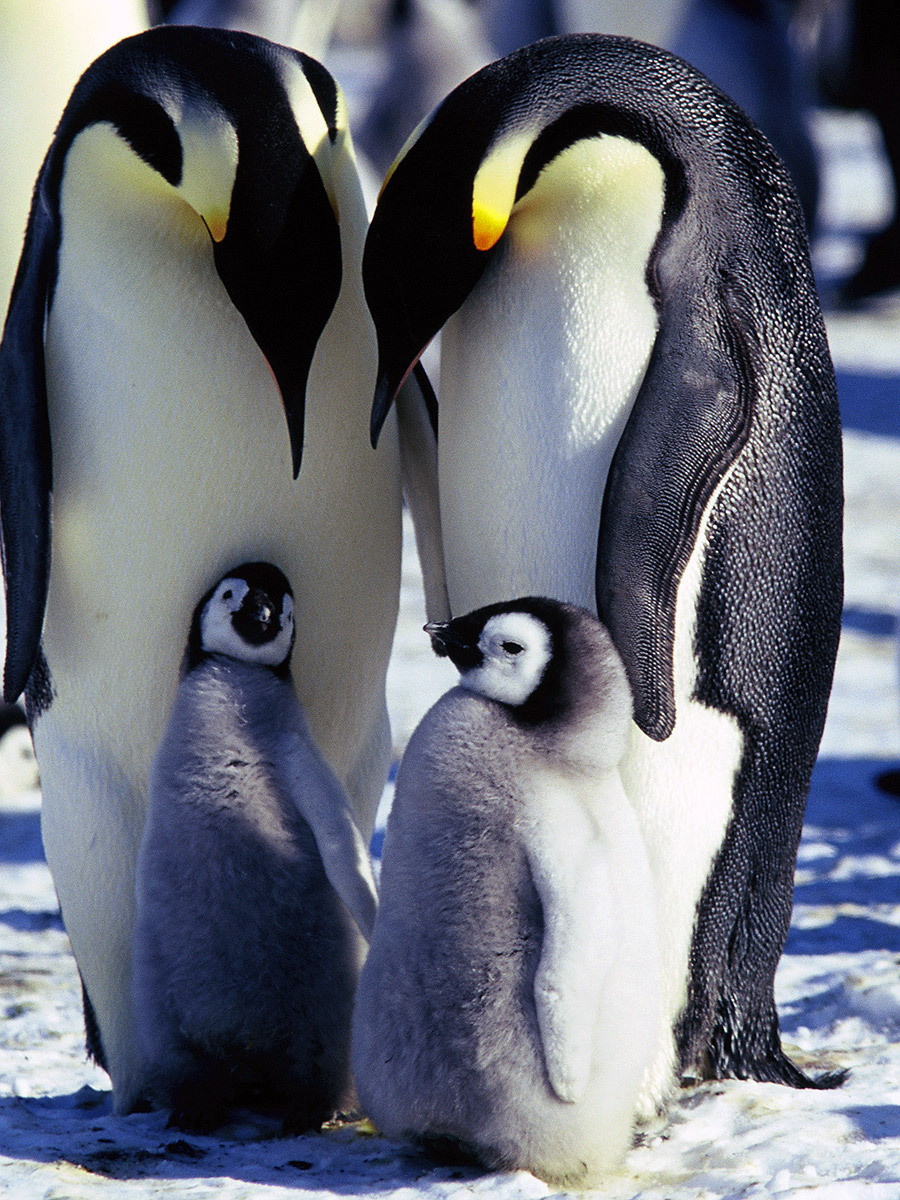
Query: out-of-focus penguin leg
[[417, 432]]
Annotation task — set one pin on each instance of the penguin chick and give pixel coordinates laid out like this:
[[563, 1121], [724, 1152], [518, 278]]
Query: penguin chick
[[507, 1006], [251, 873]]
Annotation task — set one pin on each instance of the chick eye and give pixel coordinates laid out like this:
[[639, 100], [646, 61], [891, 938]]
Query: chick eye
[[227, 595], [513, 648]]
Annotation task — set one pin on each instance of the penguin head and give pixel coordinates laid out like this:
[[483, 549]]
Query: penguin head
[[504, 657], [548, 663], [450, 194], [248, 616], [245, 133]]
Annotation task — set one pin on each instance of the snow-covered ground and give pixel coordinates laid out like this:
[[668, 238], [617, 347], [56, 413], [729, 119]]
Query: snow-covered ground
[[838, 985]]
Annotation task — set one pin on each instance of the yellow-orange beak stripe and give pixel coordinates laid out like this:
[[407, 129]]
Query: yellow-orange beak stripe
[[494, 188], [217, 224]]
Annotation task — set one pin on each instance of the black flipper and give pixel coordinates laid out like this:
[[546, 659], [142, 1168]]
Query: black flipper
[[690, 421], [25, 463], [417, 432]]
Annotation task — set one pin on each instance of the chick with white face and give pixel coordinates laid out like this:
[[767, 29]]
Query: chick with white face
[[250, 876], [201, 389], [517, 909]]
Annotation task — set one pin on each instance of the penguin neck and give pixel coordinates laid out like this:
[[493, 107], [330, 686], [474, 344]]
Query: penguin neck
[[539, 370], [224, 667]]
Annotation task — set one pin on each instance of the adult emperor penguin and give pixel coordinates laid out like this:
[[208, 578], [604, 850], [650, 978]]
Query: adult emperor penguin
[[509, 1002], [637, 413], [246, 956], [187, 318]]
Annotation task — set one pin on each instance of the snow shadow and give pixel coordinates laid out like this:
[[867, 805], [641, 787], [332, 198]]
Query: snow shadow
[[847, 898], [877, 1122], [24, 920], [20, 837], [80, 1129]]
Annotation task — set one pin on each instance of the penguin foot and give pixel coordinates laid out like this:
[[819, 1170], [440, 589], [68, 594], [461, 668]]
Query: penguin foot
[[197, 1118], [449, 1151], [306, 1117], [201, 1101]]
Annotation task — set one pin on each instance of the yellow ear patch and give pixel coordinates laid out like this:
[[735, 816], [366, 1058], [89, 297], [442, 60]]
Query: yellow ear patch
[[216, 223], [312, 125], [209, 142], [494, 189]]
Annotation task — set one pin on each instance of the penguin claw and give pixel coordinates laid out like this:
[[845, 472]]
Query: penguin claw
[[199, 1106]]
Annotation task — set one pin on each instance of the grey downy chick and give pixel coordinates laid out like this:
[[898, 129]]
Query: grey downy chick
[[254, 887], [508, 1005]]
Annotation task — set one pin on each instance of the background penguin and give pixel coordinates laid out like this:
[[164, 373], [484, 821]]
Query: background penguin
[[195, 244], [508, 1003], [245, 956], [306, 24], [638, 414], [43, 50]]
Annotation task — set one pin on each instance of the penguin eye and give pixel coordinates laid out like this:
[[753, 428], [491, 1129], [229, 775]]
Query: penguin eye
[[227, 595], [513, 648]]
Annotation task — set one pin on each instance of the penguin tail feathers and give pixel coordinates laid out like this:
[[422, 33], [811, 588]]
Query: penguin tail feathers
[[733, 1052], [93, 1043], [780, 1069]]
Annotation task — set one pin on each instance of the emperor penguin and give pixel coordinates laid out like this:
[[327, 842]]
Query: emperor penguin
[[637, 414], [187, 323], [251, 873], [508, 1005]]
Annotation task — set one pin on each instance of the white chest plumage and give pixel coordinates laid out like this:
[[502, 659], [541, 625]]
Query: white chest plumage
[[153, 377], [540, 368], [684, 813]]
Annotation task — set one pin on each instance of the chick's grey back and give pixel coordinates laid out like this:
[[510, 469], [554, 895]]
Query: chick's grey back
[[448, 986], [234, 903]]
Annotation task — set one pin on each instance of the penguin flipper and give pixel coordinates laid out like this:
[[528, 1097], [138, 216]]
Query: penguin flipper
[[25, 457], [689, 422], [417, 430], [323, 804], [570, 871]]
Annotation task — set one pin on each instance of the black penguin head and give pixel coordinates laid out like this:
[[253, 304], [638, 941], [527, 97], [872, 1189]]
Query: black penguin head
[[449, 195], [248, 616], [501, 652], [243, 131], [547, 662]]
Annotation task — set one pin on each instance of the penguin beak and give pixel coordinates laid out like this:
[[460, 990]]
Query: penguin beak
[[386, 390], [260, 274], [273, 224], [441, 637], [257, 620], [216, 221], [447, 642]]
